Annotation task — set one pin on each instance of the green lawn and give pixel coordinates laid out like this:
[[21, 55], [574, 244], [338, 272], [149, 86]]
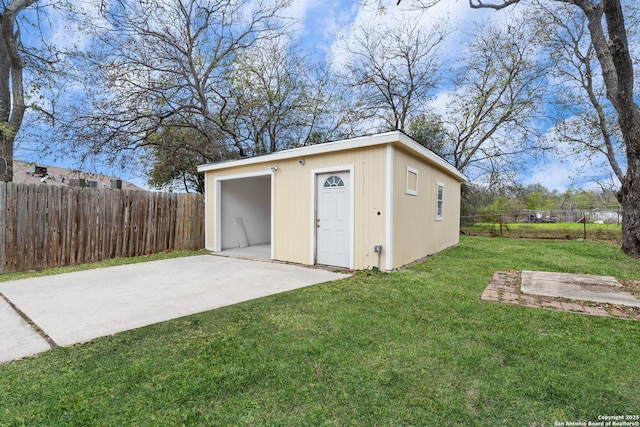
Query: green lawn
[[100, 264], [413, 348], [560, 230]]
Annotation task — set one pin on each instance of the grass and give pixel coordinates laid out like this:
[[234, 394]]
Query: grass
[[6, 277], [562, 230], [414, 347]]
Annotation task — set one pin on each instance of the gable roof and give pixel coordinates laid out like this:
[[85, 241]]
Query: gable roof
[[393, 137], [37, 173]]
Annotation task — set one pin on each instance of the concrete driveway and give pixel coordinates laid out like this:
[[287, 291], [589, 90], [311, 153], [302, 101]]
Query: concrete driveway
[[77, 307]]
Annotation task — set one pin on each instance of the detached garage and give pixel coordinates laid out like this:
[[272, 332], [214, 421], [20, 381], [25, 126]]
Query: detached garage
[[375, 201]]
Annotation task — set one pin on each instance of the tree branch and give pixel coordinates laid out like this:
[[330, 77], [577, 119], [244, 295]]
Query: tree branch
[[478, 4]]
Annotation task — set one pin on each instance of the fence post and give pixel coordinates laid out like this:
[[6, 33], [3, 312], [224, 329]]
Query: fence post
[[500, 219], [584, 225]]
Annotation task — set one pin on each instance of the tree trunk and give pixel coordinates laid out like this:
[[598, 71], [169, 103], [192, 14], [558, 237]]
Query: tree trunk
[[629, 120], [6, 157], [629, 198], [12, 103], [629, 194]]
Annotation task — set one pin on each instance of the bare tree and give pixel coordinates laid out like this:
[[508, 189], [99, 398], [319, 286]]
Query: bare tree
[[587, 119], [498, 92], [276, 98], [12, 99], [393, 70], [155, 65], [608, 32]]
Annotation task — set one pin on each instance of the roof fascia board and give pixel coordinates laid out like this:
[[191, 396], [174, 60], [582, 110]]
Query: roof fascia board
[[430, 155], [347, 144], [327, 147]]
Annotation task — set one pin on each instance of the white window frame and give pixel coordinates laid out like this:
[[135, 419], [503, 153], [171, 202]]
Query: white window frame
[[411, 191], [439, 201]]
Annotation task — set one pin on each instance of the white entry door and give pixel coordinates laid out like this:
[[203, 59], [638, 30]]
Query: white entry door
[[332, 219]]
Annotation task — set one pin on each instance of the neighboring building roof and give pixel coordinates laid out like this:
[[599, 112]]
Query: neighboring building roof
[[37, 173], [397, 137]]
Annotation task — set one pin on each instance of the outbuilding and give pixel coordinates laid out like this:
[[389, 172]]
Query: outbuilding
[[375, 201]]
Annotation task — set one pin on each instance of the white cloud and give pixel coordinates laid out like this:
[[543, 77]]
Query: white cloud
[[317, 23], [298, 10], [554, 175], [439, 104], [558, 174]]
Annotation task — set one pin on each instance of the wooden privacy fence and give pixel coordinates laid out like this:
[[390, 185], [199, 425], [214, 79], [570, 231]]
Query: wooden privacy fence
[[50, 226]]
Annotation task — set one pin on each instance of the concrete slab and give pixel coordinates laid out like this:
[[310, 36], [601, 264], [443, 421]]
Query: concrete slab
[[259, 252], [583, 287], [17, 337], [77, 307]]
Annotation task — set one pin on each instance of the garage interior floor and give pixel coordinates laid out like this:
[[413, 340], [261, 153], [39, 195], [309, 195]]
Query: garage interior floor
[[257, 252]]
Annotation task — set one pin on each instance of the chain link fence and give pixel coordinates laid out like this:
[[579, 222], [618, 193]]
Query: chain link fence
[[597, 224]]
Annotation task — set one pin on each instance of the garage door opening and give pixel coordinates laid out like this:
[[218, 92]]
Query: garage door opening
[[245, 217]]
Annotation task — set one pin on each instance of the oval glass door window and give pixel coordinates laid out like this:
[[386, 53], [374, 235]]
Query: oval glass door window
[[334, 181]]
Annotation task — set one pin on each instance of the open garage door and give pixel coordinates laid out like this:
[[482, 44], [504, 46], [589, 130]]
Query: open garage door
[[244, 223]]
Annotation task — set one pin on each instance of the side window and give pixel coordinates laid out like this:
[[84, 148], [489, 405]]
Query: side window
[[440, 201], [412, 181]]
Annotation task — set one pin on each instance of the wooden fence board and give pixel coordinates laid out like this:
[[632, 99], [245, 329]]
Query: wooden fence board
[[11, 234], [48, 226], [3, 226]]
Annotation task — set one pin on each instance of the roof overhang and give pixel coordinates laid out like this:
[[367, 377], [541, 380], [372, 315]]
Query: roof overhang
[[393, 137]]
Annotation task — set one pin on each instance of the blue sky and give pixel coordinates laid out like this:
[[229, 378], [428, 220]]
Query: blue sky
[[322, 24]]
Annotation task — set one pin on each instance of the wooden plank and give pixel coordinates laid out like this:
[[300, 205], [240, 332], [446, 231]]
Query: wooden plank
[[45, 226], [163, 230], [53, 226], [142, 230], [150, 227], [183, 221], [74, 224], [126, 223], [201, 222], [31, 230], [105, 232], [41, 233], [92, 248], [12, 223], [152, 236], [164, 234], [79, 227], [65, 242], [49, 226], [198, 232], [3, 227], [117, 226], [21, 226], [177, 244], [133, 228], [172, 221]]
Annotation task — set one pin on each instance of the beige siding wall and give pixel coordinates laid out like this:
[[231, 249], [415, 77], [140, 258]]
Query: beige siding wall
[[416, 231], [293, 217]]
